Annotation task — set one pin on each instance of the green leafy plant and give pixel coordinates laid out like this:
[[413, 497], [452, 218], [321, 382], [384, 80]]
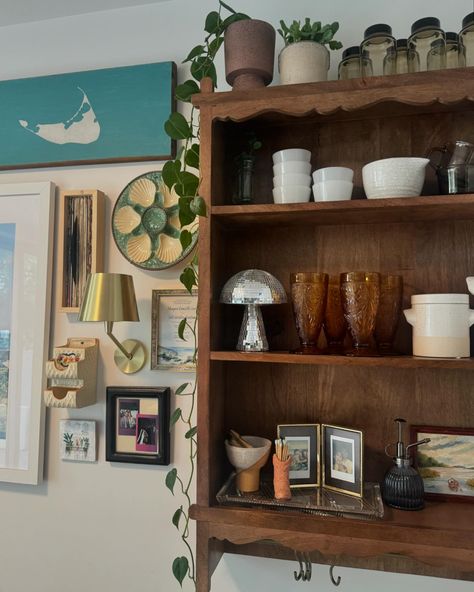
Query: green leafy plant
[[182, 176], [252, 145], [310, 32]]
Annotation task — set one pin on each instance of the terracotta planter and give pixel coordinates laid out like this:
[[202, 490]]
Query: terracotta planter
[[249, 48], [305, 61]]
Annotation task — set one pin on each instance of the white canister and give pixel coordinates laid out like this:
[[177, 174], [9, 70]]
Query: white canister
[[440, 325]]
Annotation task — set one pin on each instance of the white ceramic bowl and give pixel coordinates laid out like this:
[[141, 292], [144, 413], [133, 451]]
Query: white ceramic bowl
[[332, 191], [292, 166], [470, 284], [333, 174], [291, 194], [292, 154], [291, 179], [394, 177], [244, 458]]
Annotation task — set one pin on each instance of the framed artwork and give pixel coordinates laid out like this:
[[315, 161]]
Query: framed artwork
[[446, 464], [303, 442], [342, 453], [138, 425], [77, 440], [26, 247], [96, 116], [168, 350]]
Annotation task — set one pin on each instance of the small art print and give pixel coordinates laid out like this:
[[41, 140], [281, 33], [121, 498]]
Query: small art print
[[343, 460], [303, 441], [77, 440], [147, 433], [446, 463]]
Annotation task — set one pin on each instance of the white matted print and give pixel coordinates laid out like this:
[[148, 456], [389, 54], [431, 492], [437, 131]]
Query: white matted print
[[77, 440], [300, 451], [342, 458]]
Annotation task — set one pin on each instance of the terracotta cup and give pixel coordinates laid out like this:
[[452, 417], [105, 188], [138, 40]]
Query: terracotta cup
[[309, 294], [281, 478], [388, 314]]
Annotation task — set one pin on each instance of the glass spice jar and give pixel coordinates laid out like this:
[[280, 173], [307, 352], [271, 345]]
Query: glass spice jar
[[350, 66], [454, 55], [243, 193], [378, 51], [425, 32], [466, 39], [401, 57]]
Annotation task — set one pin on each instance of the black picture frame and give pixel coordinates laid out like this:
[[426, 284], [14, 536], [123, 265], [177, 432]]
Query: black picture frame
[[122, 447], [347, 476], [312, 434]]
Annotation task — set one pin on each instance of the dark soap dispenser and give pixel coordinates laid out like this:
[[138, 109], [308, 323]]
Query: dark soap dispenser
[[403, 486]]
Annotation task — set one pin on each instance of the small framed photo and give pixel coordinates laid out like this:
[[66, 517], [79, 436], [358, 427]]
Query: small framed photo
[[77, 440], [138, 425], [342, 460], [303, 442], [168, 350], [446, 464]]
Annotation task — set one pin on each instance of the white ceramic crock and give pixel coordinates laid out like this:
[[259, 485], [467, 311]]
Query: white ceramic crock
[[304, 61], [440, 325]]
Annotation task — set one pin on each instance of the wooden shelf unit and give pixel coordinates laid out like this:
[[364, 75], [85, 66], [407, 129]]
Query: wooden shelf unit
[[429, 240]]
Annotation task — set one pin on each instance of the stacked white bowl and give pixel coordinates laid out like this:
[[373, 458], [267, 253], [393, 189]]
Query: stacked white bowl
[[291, 176], [333, 184]]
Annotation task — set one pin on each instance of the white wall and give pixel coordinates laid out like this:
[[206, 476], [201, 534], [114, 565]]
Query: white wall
[[108, 527]]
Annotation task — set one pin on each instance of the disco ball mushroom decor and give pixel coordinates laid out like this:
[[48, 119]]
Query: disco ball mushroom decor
[[253, 288]]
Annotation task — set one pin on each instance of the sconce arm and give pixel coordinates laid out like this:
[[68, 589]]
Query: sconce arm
[[108, 329]]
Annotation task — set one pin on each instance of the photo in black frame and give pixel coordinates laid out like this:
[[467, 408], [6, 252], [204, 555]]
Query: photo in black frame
[[342, 452], [303, 442], [123, 442]]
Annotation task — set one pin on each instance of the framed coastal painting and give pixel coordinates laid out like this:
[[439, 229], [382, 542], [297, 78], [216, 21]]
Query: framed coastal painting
[[26, 248], [446, 463], [95, 116], [168, 350], [138, 425]]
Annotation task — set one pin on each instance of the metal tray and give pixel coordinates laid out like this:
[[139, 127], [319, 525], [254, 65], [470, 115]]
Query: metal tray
[[315, 500]]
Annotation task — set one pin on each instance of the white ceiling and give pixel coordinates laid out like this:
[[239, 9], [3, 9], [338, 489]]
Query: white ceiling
[[14, 12]]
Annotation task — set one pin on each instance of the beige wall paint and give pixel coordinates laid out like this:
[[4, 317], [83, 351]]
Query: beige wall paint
[[108, 526]]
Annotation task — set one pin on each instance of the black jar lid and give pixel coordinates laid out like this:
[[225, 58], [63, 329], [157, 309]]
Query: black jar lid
[[351, 51], [468, 20], [402, 43], [379, 29], [454, 37], [429, 22]]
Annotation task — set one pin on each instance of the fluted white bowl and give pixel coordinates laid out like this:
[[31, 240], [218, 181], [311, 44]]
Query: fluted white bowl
[[291, 179], [332, 191], [291, 166], [299, 154], [291, 194], [394, 177], [244, 458], [333, 174]]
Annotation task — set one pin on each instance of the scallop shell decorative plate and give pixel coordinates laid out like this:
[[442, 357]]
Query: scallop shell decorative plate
[[145, 224]]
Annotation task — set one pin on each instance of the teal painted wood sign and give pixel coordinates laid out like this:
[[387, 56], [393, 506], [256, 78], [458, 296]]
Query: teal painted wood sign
[[97, 116]]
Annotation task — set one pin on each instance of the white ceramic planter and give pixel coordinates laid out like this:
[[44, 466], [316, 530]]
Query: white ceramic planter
[[440, 325], [305, 61]]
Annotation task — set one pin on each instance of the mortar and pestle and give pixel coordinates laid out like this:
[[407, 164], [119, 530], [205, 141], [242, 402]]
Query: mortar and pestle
[[247, 454]]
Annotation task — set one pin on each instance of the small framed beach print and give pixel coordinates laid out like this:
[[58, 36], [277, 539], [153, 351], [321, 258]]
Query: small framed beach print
[[138, 425], [446, 463], [342, 460], [303, 442], [77, 440]]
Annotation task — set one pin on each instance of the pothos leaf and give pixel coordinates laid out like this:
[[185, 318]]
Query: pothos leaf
[[177, 127], [190, 433], [175, 416], [185, 238], [188, 279], [181, 328], [171, 479], [177, 516], [192, 156], [181, 388], [196, 51], [170, 172], [180, 569], [198, 206], [186, 216], [185, 91]]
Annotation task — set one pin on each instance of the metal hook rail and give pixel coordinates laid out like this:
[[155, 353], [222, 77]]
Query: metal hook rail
[[306, 569]]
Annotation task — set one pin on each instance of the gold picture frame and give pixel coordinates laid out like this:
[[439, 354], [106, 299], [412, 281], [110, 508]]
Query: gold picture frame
[[343, 459], [308, 435]]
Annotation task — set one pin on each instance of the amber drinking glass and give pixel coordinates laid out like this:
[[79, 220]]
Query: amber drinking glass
[[388, 314], [360, 293], [309, 294], [334, 322]]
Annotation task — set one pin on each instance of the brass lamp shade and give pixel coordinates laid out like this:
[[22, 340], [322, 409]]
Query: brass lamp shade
[[109, 297]]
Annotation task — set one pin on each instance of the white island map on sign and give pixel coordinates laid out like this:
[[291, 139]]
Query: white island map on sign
[[81, 128]]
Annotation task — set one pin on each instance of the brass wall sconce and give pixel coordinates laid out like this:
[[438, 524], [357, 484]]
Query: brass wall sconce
[[110, 297]]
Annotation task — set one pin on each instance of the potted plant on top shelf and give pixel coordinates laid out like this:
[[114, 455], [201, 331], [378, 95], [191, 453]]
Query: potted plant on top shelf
[[305, 57]]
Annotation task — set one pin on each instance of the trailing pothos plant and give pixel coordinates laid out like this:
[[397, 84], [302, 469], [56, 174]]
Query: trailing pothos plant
[[182, 176]]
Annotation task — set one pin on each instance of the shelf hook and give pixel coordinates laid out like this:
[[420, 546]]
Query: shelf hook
[[309, 569], [331, 575], [300, 575]]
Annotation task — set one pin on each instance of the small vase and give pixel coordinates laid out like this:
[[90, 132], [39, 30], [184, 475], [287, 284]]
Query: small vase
[[243, 185], [249, 48], [309, 294], [281, 478], [304, 61]]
